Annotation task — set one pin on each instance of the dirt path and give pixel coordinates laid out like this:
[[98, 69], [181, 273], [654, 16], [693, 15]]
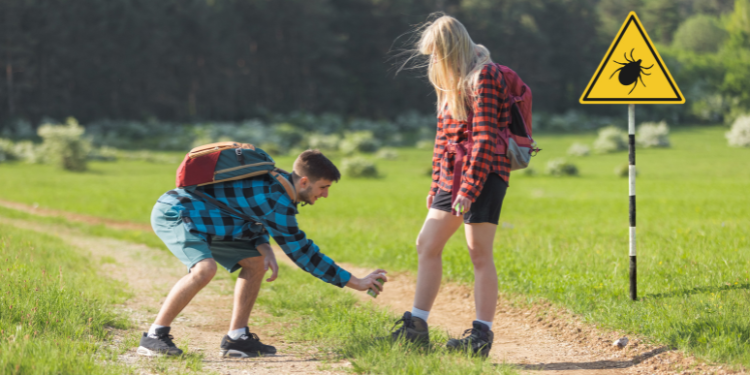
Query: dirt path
[[541, 340], [149, 275]]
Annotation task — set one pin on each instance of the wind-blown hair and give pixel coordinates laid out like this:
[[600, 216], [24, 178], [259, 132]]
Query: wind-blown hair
[[454, 65]]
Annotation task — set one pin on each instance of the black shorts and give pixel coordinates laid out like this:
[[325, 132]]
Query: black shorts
[[485, 209]]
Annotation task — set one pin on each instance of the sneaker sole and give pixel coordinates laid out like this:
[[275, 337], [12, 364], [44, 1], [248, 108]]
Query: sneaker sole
[[231, 353], [152, 353]]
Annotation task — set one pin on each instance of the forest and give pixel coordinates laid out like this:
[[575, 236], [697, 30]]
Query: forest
[[231, 60]]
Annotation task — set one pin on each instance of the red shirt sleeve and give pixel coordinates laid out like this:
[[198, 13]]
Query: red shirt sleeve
[[437, 155], [486, 106]]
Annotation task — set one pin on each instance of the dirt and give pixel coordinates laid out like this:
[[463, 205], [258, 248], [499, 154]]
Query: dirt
[[149, 274], [541, 339]]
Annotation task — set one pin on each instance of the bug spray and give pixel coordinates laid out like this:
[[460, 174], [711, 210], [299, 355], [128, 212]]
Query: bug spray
[[372, 292]]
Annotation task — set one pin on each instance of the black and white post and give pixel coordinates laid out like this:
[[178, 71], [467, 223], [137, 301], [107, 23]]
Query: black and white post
[[631, 178]]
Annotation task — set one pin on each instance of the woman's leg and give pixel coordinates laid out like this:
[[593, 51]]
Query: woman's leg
[[437, 229], [479, 237]]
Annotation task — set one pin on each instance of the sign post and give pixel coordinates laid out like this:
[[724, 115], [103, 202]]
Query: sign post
[[632, 72]]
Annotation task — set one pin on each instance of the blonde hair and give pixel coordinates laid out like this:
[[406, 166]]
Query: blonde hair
[[454, 65]]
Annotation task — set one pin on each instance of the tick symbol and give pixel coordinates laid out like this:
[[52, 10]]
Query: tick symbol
[[631, 72]]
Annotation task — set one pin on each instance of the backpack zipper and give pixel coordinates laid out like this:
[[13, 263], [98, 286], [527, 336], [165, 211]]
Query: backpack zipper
[[243, 166]]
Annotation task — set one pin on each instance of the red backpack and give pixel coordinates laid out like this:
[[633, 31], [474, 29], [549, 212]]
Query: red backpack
[[515, 140]]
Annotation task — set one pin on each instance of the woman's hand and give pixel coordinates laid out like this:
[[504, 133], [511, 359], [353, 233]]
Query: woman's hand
[[269, 261], [462, 204], [430, 198], [369, 282]]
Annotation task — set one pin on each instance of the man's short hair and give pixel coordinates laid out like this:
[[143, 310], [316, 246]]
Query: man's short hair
[[314, 165]]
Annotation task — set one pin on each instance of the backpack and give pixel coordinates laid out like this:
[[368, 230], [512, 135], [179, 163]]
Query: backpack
[[515, 140], [227, 161]]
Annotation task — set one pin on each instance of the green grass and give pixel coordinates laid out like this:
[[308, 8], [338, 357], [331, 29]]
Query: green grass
[[345, 329], [561, 239], [54, 309]]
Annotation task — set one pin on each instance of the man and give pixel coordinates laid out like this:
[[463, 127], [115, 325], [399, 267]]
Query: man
[[201, 235]]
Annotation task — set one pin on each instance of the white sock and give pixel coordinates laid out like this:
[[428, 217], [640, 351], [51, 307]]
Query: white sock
[[152, 330], [236, 333], [488, 324], [421, 314]]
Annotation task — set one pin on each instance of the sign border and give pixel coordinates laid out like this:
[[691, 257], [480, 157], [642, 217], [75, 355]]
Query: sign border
[[632, 17]]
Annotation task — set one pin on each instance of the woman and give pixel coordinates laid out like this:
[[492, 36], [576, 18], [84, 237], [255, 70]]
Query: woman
[[472, 105]]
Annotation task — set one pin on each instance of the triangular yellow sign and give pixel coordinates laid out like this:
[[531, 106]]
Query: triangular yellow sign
[[632, 72]]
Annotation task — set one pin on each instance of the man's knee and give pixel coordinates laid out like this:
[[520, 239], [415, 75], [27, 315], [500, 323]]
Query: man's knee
[[204, 271], [252, 267]]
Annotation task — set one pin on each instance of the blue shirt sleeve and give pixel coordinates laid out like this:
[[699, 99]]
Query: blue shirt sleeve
[[282, 225]]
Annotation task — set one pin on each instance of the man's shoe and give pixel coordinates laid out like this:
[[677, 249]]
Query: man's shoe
[[247, 345], [412, 329], [478, 340], [158, 344]]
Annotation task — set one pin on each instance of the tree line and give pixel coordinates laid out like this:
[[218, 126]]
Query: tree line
[[228, 60]]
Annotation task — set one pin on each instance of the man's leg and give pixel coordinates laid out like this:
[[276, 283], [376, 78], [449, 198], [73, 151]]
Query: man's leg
[[246, 291], [184, 291], [240, 343], [158, 341]]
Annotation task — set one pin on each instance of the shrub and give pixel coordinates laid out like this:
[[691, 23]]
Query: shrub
[[610, 139], [272, 149], [103, 154], [425, 144], [64, 145], [324, 142], [579, 149], [359, 142], [358, 167], [623, 170], [6, 150], [700, 33], [739, 135], [387, 154], [29, 152], [651, 134], [529, 171], [561, 167]]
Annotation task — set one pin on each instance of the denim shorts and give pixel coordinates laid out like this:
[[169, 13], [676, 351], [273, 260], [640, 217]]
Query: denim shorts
[[485, 209], [191, 248]]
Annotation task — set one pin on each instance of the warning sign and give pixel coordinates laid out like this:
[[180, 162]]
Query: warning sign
[[632, 72]]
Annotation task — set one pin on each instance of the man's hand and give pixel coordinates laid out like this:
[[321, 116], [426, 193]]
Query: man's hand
[[269, 261], [462, 205], [368, 282], [430, 198]]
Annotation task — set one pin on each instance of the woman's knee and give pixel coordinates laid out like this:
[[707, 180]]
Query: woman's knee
[[428, 248], [481, 257]]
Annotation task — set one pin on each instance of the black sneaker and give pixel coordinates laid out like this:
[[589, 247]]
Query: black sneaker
[[248, 345], [412, 329], [478, 339], [158, 344]]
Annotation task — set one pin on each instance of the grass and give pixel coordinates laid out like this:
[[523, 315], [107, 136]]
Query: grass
[[560, 239], [54, 309], [345, 329]]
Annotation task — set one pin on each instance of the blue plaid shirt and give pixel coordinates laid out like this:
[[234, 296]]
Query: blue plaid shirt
[[265, 200]]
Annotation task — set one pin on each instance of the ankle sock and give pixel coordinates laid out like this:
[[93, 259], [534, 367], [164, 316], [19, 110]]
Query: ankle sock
[[152, 330], [421, 314], [236, 333], [488, 324]]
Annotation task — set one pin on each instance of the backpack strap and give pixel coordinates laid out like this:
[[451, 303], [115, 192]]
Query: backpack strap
[[286, 184], [224, 207]]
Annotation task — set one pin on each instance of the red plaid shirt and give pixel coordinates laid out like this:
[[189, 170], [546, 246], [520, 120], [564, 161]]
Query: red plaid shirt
[[491, 109]]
